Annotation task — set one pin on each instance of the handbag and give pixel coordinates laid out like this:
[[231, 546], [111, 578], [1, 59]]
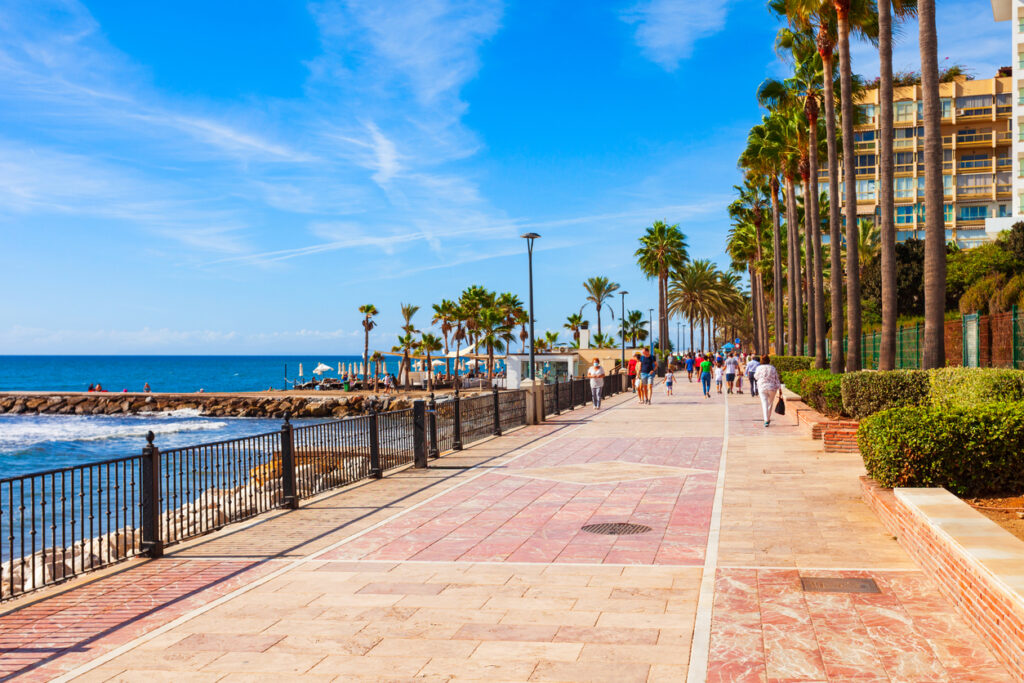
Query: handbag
[[780, 407]]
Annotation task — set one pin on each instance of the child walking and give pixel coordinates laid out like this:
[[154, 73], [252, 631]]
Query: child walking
[[670, 377], [718, 376]]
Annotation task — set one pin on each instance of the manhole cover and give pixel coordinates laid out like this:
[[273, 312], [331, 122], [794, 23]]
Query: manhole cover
[[616, 529], [818, 584]]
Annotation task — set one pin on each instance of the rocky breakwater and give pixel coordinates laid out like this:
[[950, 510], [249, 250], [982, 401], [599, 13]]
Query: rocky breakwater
[[209, 405]]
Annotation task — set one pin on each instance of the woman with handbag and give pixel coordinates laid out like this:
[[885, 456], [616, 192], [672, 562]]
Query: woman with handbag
[[768, 387]]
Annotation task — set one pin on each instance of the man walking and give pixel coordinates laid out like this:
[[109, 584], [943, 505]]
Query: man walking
[[596, 375], [751, 367], [648, 366], [632, 371]]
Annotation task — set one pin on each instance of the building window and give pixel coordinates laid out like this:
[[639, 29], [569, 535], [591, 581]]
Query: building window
[[904, 235], [974, 105], [904, 215], [973, 213], [1004, 211], [867, 113], [947, 210], [1003, 100], [864, 135], [975, 161], [946, 104], [947, 184], [866, 189], [905, 187], [903, 112]]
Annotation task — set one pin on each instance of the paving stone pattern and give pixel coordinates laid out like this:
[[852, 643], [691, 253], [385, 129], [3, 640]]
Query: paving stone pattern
[[480, 571]]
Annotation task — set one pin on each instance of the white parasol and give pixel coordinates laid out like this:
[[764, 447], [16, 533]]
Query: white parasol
[[321, 368], [300, 369]]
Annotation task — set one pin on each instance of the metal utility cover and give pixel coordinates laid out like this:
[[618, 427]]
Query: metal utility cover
[[822, 584], [616, 529]]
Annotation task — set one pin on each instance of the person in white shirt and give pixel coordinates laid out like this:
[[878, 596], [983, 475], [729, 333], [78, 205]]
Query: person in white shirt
[[670, 378], [718, 376], [596, 375], [766, 378]]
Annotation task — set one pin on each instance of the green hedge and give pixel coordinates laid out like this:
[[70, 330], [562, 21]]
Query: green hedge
[[972, 451], [789, 363], [972, 386], [819, 389], [866, 393]]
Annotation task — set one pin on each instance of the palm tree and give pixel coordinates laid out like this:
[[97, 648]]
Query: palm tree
[[633, 327], [551, 339], [746, 241], [934, 230], [869, 243], [574, 323], [662, 250], [429, 343], [688, 290], [368, 311], [491, 327], [407, 339], [604, 341], [444, 314], [599, 290], [376, 358]]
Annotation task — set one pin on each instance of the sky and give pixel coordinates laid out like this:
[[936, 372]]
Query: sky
[[238, 178]]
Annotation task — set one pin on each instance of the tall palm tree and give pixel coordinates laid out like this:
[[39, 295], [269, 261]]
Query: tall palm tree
[[633, 327], [662, 249], [934, 227], [444, 314], [376, 358], [429, 344], [407, 340], [491, 328], [746, 241], [574, 323], [368, 311], [869, 243], [604, 341], [599, 290]]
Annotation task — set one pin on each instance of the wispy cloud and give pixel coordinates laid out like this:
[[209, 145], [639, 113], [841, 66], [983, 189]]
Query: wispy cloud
[[666, 30]]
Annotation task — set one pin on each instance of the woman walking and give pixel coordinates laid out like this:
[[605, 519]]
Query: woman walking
[[768, 387], [596, 375], [705, 377]]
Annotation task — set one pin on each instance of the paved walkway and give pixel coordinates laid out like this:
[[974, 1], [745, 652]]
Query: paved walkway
[[478, 569]]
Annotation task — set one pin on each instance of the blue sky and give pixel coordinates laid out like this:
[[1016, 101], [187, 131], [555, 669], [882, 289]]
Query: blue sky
[[228, 177]]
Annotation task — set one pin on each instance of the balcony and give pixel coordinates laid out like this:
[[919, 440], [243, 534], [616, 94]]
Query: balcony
[[975, 166], [1004, 162], [865, 170], [947, 140], [1004, 136], [864, 146], [903, 168], [903, 143], [975, 139], [974, 113], [1004, 191], [973, 191], [947, 165], [1004, 110]]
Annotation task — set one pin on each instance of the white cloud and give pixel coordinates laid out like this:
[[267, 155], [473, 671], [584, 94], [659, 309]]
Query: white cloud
[[666, 30]]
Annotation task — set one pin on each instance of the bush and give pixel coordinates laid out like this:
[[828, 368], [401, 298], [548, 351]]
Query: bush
[[819, 389], [866, 393], [789, 363], [968, 387], [972, 451], [977, 297]]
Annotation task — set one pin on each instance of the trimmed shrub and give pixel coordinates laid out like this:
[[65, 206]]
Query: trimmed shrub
[[972, 451], [978, 295], [788, 363], [974, 386], [819, 389], [866, 393]]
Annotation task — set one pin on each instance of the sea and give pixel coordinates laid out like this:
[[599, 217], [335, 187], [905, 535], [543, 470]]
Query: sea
[[32, 443]]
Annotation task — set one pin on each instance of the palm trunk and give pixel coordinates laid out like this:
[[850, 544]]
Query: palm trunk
[[853, 360], [934, 230], [796, 335], [886, 200], [812, 332], [834, 223], [366, 347], [780, 337], [814, 231], [599, 318], [458, 347], [753, 304]]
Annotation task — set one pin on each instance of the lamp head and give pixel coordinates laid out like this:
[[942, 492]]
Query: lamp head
[[623, 293], [530, 236]]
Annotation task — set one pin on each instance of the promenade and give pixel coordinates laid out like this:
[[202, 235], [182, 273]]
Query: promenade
[[479, 569]]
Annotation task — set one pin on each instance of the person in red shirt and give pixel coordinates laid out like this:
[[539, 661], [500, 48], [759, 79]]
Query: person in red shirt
[[632, 372]]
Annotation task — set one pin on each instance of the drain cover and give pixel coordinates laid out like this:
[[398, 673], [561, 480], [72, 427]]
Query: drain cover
[[616, 529], [819, 584]]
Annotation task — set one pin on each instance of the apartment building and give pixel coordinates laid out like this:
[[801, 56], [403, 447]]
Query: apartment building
[[1008, 10], [977, 149]]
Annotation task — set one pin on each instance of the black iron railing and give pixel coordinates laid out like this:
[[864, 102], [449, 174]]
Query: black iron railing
[[61, 523], [568, 393]]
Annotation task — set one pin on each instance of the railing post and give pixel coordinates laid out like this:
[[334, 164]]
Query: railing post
[[1014, 338], [572, 393], [558, 406], [457, 412], [419, 436], [497, 414], [432, 424], [291, 498], [376, 471], [152, 544]]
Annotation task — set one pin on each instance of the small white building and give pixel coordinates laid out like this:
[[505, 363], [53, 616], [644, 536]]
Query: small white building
[[548, 366]]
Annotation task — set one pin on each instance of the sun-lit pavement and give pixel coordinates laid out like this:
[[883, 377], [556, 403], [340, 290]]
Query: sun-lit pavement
[[481, 570]]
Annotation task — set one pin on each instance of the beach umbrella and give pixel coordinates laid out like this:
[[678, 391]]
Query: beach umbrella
[[300, 369], [339, 367], [321, 368], [437, 362]]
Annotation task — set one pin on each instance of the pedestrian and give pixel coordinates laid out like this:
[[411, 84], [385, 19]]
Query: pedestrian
[[689, 366], [732, 365], [596, 375], [768, 387], [741, 370], [670, 377], [719, 372], [752, 364], [632, 371], [146, 389], [648, 366], [705, 377]]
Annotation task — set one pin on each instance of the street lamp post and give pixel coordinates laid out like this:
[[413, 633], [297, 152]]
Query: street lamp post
[[678, 346], [622, 320], [530, 237], [650, 325]]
